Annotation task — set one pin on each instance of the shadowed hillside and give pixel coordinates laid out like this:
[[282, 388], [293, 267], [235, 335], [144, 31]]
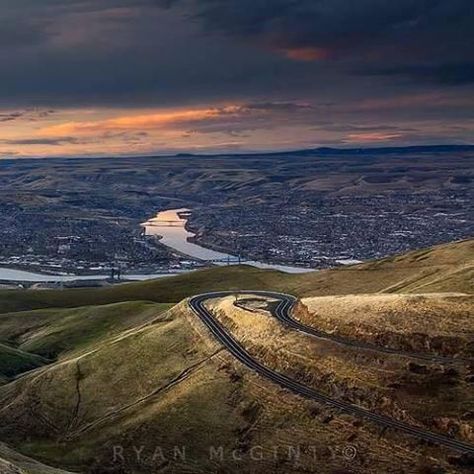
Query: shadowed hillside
[[12, 462], [89, 375]]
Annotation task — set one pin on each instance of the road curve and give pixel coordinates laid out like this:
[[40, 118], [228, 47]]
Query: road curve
[[283, 314], [196, 303]]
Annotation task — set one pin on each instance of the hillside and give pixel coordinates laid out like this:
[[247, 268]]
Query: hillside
[[131, 367], [55, 332], [168, 385], [433, 322], [443, 268], [383, 383], [15, 361], [12, 462], [448, 267]]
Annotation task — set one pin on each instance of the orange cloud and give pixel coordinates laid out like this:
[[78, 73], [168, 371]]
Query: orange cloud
[[139, 122], [305, 54], [371, 137]]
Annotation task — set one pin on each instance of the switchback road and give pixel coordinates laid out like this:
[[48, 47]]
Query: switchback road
[[283, 314], [197, 304]]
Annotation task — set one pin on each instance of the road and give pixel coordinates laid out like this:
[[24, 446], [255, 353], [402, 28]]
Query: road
[[283, 314], [197, 304]]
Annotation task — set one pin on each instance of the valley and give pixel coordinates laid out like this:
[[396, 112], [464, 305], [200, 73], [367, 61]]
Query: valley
[[83, 216], [128, 378], [236, 237]]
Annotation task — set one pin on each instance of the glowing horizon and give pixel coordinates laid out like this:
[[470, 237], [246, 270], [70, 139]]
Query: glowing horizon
[[123, 77]]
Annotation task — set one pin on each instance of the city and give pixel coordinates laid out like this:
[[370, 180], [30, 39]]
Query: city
[[79, 228]]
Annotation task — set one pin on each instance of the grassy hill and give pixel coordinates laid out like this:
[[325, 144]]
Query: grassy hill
[[14, 361], [55, 332], [127, 366], [12, 462], [378, 382], [31, 339], [436, 323], [153, 381], [448, 267], [167, 385]]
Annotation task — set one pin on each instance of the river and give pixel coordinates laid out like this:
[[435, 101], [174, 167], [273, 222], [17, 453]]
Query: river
[[10, 274], [170, 225]]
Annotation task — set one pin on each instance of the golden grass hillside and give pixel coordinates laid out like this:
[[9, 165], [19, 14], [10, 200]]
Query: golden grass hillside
[[448, 267], [380, 382], [122, 368], [168, 390], [443, 268], [53, 332], [437, 323], [32, 339]]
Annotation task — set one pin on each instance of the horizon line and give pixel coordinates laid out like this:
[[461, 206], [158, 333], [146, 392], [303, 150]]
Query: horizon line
[[320, 149]]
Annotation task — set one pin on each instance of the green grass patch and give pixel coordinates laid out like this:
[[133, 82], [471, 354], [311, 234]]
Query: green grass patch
[[14, 361], [52, 333], [369, 277], [170, 290]]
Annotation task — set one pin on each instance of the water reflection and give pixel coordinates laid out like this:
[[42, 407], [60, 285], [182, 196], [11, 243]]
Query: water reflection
[[170, 225]]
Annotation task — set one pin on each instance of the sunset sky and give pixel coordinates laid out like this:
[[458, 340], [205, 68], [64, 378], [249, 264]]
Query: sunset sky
[[133, 77]]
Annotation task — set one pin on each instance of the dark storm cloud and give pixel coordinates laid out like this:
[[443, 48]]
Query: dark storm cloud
[[311, 23], [366, 30], [29, 22], [116, 52], [17, 35], [448, 74], [171, 52]]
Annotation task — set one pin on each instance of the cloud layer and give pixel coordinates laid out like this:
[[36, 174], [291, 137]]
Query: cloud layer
[[211, 71]]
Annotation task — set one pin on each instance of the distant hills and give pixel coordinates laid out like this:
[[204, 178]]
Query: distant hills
[[321, 151], [387, 150], [347, 151]]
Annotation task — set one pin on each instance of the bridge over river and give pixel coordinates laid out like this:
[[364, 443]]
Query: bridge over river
[[170, 227]]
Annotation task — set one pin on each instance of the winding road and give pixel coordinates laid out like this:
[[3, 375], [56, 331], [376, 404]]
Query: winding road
[[282, 312]]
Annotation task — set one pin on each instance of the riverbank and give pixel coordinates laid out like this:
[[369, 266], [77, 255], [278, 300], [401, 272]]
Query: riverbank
[[8, 275], [170, 227]]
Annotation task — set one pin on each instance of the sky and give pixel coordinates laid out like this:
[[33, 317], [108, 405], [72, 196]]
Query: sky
[[145, 77]]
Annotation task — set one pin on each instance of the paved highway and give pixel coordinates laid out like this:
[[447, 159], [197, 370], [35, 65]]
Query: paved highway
[[283, 314], [197, 304]]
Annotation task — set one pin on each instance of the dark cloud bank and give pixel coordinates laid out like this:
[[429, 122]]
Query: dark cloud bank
[[170, 50], [337, 65]]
